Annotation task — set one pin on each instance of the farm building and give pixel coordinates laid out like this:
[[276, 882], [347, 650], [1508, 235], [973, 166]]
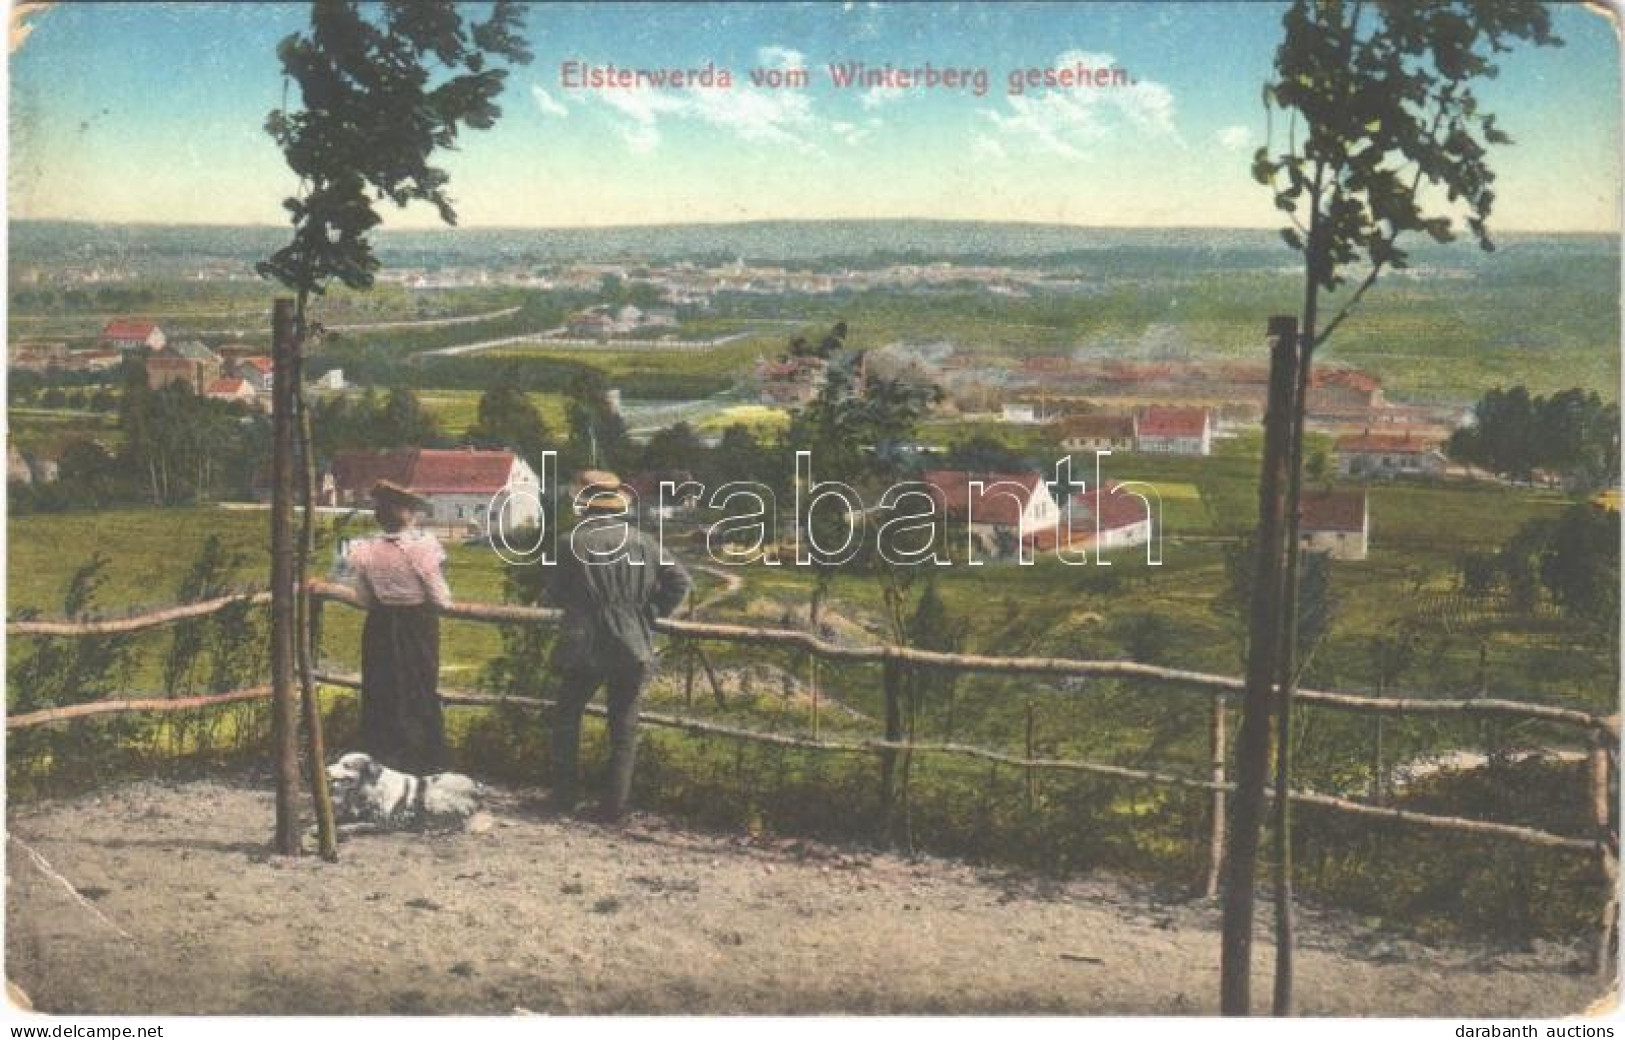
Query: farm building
[[1174, 431], [257, 370], [1387, 455], [1341, 389], [129, 334], [461, 485], [163, 370], [208, 361], [1115, 519], [229, 389], [1335, 522], [1000, 509], [1098, 433]]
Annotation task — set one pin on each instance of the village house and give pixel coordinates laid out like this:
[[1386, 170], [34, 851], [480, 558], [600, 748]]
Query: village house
[[1000, 509], [129, 334], [460, 485], [790, 380], [230, 389], [17, 468], [1370, 454], [256, 370], [208, 361], [162, 370], [1334, 522], [1025, 413], [1103, 521], [332, 379], [1098, 433], [1341, 390], [592, 324], [93, 360], [39, 357], [1174, 431]]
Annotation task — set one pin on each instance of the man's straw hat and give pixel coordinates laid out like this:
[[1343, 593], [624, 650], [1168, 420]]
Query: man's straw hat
[[599, 489]]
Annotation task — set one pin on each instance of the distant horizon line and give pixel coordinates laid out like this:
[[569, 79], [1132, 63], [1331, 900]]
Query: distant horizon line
[[443, 229]]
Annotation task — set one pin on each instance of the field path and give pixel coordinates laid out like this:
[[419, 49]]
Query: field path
[[177, 907]]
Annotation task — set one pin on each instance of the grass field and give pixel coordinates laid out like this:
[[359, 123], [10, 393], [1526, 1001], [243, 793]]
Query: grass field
[[457, 410]]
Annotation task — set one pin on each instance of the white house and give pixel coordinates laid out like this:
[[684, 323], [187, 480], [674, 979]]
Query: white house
[[1174, 431], [1387, 455], [1335, 522], [468, 490], [130, 334], [1103, 522], [1020, 414], [1001, 509]]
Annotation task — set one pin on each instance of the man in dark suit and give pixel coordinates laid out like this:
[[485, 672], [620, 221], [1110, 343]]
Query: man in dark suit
[[612, 585]]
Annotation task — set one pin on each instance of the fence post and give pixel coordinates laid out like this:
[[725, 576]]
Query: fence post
[[1264, 634], [1601, 770], [812, 676], [284, 710], [1216, 771], [891, 684], [1032, 777]]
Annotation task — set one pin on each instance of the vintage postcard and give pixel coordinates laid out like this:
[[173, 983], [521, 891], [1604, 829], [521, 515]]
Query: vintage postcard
[[1064, 509]]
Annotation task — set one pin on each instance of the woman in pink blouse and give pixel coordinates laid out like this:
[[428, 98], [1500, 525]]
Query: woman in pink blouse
[[398, 579]]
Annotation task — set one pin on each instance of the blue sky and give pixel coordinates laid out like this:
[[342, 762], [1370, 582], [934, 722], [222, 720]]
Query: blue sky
[[154, 111]]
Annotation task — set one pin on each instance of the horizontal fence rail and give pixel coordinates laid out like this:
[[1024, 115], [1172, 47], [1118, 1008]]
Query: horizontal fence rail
[[135, 622], [1598, 726]]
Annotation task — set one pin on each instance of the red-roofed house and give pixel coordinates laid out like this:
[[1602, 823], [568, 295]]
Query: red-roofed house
[[461, 485], [231, 390], [1113, 520], [1386, 455], [128, 334], [1000, 509], [1335, 522], [1174, 431], [1341, 389]]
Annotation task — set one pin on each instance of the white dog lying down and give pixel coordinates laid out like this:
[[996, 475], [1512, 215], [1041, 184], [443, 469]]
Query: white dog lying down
[[368, 793]]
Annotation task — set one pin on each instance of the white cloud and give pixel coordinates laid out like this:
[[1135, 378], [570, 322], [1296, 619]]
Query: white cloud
[[1066, 121], [855, 133], [1234, 138], [779, 116], [548, 103], [775, 57]]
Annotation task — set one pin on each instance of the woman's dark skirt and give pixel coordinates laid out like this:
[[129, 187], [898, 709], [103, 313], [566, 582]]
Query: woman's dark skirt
[[401, 723]]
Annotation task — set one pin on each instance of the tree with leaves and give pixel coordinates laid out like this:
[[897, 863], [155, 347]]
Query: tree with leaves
[[506, 418], [384, 86], [1381, 118]]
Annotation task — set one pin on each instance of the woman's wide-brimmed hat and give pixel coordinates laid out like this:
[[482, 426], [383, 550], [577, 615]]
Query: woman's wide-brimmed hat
[[389, 491], [600, 490]]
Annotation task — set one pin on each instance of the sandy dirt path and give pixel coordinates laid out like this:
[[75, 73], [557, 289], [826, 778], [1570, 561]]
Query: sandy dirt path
[[558, 916]]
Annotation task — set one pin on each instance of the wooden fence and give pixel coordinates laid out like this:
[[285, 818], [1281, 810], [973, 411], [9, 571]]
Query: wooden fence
[[1602, 731]]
